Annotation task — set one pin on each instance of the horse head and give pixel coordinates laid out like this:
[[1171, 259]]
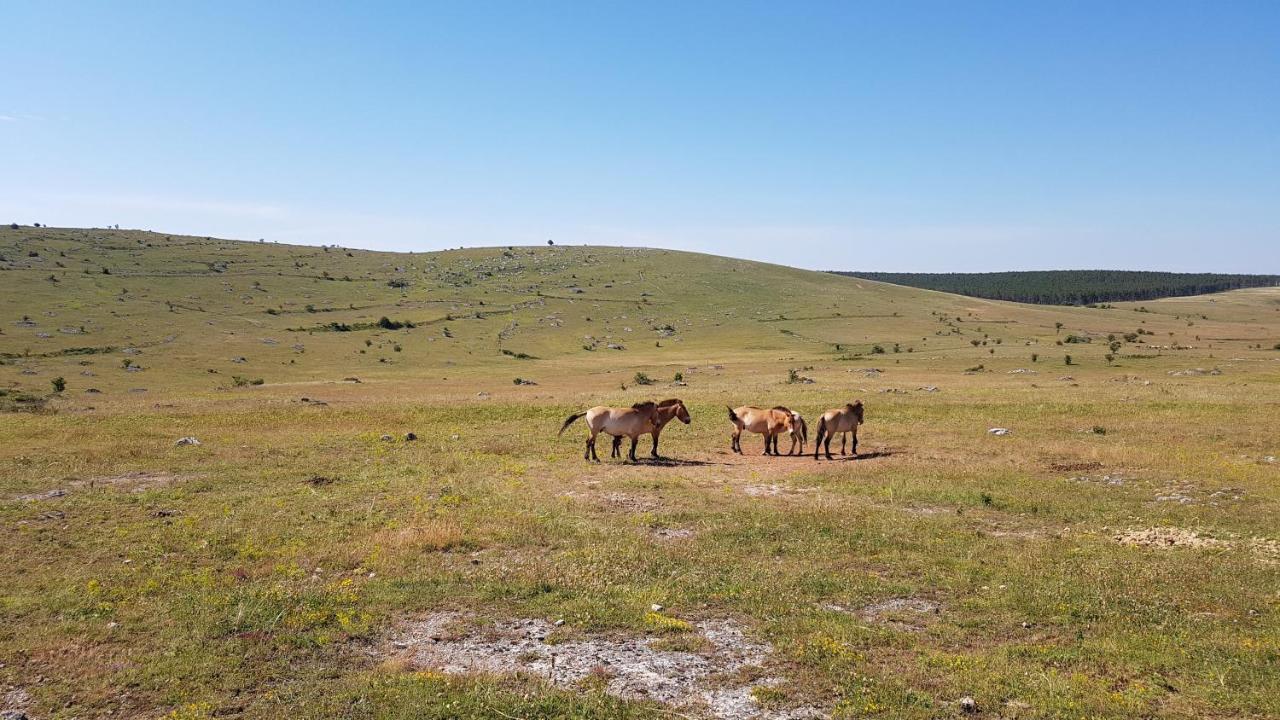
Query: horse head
[[676, 407], [857, 410]]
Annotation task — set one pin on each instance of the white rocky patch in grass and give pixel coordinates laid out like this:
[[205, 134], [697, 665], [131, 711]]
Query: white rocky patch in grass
[[775, 490], [701, 684], [903, 613]]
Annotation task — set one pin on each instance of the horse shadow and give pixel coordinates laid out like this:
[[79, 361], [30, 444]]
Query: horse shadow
[[673, 462], [860, 456]]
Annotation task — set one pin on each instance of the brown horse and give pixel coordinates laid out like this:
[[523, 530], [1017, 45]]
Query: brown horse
[[667, 411], [839, 420], [770, 423], [632, 422]]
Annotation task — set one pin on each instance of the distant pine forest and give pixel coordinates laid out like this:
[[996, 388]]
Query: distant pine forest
[[1072, 287]]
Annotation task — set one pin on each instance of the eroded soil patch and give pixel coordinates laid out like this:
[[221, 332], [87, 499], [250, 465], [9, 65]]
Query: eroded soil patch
[[903, 613], [137, 481], [1173, 537], [708, 682]]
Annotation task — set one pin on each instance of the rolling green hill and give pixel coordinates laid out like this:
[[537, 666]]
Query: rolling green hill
[[371, 485], [1073, 287]]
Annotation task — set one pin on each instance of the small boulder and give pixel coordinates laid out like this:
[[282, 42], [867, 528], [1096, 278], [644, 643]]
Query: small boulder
[[189, 440], [999, 431], [968, 704]]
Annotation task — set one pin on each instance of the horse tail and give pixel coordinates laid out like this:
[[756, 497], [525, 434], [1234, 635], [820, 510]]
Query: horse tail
[[733, 416], [817, 440], [569, 422], [804, 432]]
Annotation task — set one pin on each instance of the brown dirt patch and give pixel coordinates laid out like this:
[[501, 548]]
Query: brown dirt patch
[[136, 481]]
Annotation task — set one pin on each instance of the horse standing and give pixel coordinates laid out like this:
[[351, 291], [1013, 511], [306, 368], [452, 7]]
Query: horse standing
[[770, 423], [632, 422], [838, 420], [667, 411]]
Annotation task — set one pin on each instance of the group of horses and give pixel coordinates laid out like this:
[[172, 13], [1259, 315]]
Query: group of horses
[[648, 418]]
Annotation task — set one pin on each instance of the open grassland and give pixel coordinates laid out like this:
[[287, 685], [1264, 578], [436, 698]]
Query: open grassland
[[1114, 556]]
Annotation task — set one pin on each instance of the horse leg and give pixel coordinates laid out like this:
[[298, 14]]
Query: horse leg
[[632, 453], [767, 439], [854, 451], [817, 442], [735, 441], [653, 451], [827, 447], [844, 439], [617, 443]]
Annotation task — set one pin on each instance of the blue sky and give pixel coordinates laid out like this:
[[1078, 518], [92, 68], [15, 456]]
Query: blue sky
[[949, 136]]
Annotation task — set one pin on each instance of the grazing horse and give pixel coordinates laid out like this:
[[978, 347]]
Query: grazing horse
[[637, 420], [838, 420], [770, 423], [667, 411]]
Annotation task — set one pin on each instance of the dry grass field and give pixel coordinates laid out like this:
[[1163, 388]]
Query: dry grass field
[[1117, 554]]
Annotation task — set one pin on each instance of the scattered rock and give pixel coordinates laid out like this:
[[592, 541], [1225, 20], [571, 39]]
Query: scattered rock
[[1000, 431], [189, 440], [387, 438], [351, 380], [929, 388], [410, 437], [672, 533], [968, 704], [1022, 371]]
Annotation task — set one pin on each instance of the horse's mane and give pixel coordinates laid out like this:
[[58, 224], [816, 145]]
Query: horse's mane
[[646, 405], [669, 403], [783, 409]]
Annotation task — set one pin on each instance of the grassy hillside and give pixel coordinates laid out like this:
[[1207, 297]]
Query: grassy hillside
[[1074, 287], [1115, 555]]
